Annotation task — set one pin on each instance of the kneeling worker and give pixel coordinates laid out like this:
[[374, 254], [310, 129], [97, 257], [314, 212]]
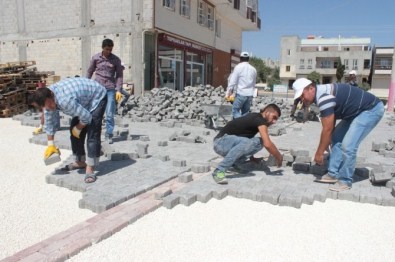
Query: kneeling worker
[[237, 140]]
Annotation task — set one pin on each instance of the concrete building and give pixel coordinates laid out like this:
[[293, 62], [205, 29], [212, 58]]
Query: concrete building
[[162, 42], [300, 57], [381, 71]]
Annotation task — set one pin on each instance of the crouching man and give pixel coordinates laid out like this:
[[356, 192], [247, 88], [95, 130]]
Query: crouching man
[[85, 100], [237, 140]]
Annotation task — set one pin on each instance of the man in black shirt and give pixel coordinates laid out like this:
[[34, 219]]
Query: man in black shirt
[[237, 139]]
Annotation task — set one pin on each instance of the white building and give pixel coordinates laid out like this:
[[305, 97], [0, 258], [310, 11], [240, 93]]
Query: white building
[[162, 42], [381, 71], [300, 57]]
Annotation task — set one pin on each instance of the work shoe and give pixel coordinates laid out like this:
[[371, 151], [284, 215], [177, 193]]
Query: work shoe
[[219, 177], [339, 186], [108, 138], [326, 179]]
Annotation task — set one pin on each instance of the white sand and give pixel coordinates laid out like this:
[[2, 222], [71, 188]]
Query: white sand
[[226, 230], [30, 209], [242, 230]]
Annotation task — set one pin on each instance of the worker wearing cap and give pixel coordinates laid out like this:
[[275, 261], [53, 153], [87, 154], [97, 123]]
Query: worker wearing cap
[[241, 85], [352, 78], [359, 112]]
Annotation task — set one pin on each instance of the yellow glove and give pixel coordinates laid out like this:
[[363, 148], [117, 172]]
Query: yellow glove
[[118, 96], [230, 98], [76, 132], [51, 149], [38, 130]]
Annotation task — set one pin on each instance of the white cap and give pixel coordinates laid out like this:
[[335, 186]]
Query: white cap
[[244, 54], [299, 85], [352, 72]]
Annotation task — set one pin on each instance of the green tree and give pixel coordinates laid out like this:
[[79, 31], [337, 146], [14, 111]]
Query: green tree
[[314, 77], [340, 70], [262, 71], [274, 78]]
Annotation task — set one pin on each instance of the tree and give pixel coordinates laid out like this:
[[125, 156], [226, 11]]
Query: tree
[[274, 79], [262, 71], [314, 77], [340, 70]]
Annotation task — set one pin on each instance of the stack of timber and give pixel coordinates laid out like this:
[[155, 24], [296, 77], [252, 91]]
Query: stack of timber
[[17, 80]]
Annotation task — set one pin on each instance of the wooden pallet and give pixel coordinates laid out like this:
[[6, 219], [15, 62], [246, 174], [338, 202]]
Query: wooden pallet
[[14, 110], [13, 98]]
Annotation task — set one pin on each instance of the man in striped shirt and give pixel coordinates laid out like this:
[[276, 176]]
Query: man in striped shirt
[[85, 100], [359, 112]]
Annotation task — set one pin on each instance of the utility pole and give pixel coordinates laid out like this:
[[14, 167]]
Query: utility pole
[[391, 93]]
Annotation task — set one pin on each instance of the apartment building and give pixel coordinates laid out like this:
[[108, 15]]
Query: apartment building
[[164, 43], [300, 57], [381, 71]]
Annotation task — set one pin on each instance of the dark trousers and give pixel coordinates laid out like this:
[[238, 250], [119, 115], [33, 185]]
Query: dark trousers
[[92, 132]]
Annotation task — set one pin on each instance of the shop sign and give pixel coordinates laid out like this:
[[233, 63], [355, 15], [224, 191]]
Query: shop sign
[[183, 43]]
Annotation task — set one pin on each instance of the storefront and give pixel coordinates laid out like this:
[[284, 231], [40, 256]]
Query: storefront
[[182, 63]]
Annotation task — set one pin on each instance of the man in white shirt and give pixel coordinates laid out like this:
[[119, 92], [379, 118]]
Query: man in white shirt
[[241, 85]]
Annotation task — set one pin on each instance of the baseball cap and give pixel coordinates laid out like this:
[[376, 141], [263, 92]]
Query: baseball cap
[[244, 54], [299, 85], [352, 72]]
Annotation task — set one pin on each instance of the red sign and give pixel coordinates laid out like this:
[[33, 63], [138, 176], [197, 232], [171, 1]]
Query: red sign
[[168, 39]]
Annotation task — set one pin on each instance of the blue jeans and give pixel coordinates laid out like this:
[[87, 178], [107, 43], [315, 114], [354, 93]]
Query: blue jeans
[[92, 133], [346, 139], [110, 112], [241, 105], [235, 148]]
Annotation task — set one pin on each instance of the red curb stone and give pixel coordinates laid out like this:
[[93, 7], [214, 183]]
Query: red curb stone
[[35, 257]]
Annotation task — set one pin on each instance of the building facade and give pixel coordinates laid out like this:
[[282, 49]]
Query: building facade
[[381, 71], [300, 57], [164, 43]]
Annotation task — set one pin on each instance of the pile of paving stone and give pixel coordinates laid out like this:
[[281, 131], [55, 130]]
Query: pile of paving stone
[[162, 104]]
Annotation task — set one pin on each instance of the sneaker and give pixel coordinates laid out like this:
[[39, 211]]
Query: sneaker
[[326, 179], [219, 177], [109, 139], [339, 186]]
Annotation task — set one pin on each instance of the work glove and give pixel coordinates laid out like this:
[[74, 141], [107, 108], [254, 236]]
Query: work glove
[[230, 98], [51, 149], [76, 132], [118, 96], [38, 130]]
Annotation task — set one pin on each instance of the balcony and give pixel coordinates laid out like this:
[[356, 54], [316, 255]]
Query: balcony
[[239, 13]]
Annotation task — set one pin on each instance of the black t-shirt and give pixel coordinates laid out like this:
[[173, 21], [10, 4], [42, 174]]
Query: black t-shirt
[[245, 126]]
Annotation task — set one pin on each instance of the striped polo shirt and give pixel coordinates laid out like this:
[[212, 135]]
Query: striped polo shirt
[[343, 100]]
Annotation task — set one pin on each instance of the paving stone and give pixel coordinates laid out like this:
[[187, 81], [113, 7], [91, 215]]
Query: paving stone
[[188, 199], [142, 149], [200, 167], [393, 191], [318, 170], [54, 158], [162, 143], [204, 196], [290, 198], [379, 178], [186, 139], [301, 167], [220, 193], [288, 158], [173, 137], [389, 154], [164, 158], [350, 195], [185, 132], [377, 146], [206, 133], [162, 192], [144, 138], [308, 197], [296, 153], [390, 183], [171, 201], [332, 194], [179, 163], [364, 172], [185, 178], [303, 159], [269, 196]]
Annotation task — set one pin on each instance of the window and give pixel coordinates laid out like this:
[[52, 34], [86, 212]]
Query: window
[[326, 49], [288, 68], [185, 8], [301, 62], [169, 4], [366, 64], [288, 51], [236, 4], [201, 13], [218, 28], [355, 64], [346, 64], [346, 49], [210, 17], [310, 63]]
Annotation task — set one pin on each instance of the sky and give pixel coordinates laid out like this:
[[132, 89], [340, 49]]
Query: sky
[[326, 18]]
